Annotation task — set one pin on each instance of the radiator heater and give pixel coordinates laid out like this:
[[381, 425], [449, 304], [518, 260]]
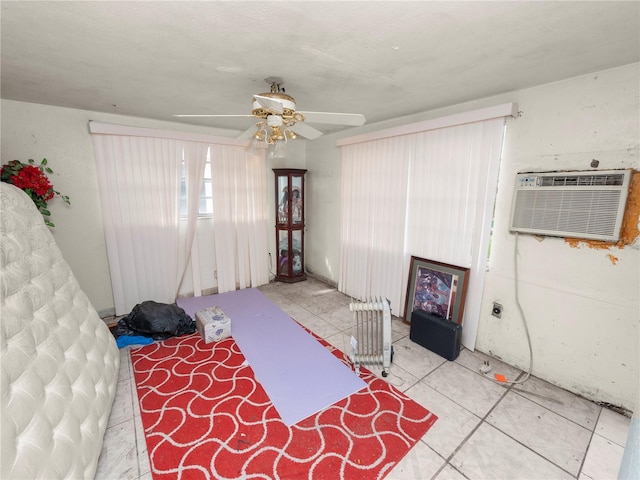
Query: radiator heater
[[371, 334]]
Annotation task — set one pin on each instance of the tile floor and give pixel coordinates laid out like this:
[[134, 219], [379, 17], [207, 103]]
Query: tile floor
[[484, 430]]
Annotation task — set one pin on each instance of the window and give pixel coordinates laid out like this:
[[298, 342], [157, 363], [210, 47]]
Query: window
[[206, 196]]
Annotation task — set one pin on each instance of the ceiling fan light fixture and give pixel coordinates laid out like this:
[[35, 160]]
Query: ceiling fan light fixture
[[259, 135], [253, 146], [279, 150], [277, 135]]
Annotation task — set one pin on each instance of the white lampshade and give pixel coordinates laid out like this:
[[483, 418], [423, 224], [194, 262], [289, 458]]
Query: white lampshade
[[280, 150]]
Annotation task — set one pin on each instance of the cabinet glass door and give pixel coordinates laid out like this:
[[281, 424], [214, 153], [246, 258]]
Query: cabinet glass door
[[296, 199], [283, 199]]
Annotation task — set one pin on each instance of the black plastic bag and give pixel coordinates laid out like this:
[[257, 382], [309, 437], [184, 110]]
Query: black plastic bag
[[156, 320]]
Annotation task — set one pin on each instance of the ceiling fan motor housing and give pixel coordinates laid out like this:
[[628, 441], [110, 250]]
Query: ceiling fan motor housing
[[274, 120], [287, 102]]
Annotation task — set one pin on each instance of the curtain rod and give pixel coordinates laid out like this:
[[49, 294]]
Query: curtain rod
[[115, 129], [504, 110]]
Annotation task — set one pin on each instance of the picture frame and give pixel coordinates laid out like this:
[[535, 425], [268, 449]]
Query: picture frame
[[436, 287]]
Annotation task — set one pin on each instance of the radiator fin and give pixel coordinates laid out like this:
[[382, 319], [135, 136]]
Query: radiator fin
[[371, 334]]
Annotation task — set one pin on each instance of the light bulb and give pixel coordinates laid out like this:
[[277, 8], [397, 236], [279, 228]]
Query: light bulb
[[252, 146], [280, 150]]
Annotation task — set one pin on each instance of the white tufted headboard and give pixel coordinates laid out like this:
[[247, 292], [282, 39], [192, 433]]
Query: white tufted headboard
[[59, 361]]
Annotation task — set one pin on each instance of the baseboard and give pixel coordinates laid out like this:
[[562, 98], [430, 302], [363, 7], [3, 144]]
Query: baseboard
[[322, 279], [107, 312]]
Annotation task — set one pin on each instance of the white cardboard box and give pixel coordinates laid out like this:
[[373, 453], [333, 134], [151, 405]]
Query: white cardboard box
[[213, 324]]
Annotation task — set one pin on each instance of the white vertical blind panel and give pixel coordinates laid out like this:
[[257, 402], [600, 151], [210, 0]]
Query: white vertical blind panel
[[139, 181], [491, 149], [373, 199], [441, 184], [224, 199], [195, 158], [354, 223], [240, 218], [258, 219], [452, 192]]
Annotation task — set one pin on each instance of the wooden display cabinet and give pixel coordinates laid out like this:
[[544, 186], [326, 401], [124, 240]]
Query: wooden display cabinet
[[290, 224]]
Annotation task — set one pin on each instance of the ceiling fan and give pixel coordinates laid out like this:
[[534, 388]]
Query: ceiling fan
[[278, 119]]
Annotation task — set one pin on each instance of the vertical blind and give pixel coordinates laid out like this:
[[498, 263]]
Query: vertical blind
[[150, 247], [427, 194]]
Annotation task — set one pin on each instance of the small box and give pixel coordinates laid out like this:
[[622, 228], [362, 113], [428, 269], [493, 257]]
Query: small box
[[213, 324], [437, 334]]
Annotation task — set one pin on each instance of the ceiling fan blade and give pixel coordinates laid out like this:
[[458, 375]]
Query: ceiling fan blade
[[269, 103], [353, 119], [306, 131], [248, 133], [225, 116]]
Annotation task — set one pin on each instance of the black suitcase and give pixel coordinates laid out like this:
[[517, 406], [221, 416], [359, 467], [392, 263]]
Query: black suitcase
[[435, 333]]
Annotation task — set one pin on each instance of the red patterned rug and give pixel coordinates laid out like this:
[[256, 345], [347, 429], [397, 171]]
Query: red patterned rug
[[206, 417]]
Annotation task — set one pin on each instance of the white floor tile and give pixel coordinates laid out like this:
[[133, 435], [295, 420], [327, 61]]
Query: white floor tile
[[613, 426], [415, 359], [398, 377], [341, 318], [319, 326], [119, 456], [298, 313], [543, 431], [141, 445], [454, 423], [603, 459], [122, 409], [468, 389], [340, 341], [449, 473], [474, 360], [567, 404], [491, 454], [420, 462]]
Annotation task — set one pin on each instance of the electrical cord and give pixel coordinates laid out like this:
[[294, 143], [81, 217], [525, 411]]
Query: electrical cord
[[524, 321], [522, 314], [271, 267]]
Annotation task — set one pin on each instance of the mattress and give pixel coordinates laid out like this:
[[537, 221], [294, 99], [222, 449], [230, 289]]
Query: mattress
[[59, 361]]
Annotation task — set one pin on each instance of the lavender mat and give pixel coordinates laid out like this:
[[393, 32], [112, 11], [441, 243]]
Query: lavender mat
[[300, 376]]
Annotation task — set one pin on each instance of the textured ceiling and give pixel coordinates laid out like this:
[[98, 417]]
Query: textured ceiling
[[382, 59]]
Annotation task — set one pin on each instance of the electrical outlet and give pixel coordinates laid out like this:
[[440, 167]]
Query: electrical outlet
[[496, 311]]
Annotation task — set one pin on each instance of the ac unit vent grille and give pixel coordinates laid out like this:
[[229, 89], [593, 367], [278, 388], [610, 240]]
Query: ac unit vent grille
[[574, 180], [570, 212], [571, 204]]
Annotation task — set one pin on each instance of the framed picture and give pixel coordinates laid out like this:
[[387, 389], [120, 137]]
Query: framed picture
[[438, 288]]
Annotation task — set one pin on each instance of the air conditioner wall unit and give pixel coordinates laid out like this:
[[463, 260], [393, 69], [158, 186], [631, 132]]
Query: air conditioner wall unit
[[586, 204]]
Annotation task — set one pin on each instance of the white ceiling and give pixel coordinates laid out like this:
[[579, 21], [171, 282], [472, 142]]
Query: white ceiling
[[384, 59]]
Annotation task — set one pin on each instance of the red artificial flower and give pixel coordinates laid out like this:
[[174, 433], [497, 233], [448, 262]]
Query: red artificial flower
[[33, 180]]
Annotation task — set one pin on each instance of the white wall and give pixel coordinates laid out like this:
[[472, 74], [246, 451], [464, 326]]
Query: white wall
[[61, 135], [582, 309]]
